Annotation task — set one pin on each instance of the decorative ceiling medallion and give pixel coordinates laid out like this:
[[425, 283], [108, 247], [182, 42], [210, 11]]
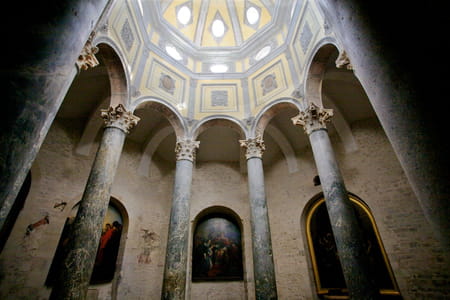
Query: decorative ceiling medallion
[[252, 15], [305, 37], [184, 14], [127, 35], [268, 84], [167, 83], [218, 28]]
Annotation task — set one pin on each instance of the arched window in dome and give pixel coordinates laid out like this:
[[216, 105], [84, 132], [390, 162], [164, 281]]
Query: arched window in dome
[[217, 249], [108, 248], [328, 275]]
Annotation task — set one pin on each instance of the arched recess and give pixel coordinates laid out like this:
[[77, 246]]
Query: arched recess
[[324, 62], [219, 137], [159, 121], [111, 246], [276, 131], [111, 64], [324, 259], [217, 248]]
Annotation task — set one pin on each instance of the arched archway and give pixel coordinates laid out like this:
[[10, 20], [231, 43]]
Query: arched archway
[[324, 257], [217, 252], [115, 225]]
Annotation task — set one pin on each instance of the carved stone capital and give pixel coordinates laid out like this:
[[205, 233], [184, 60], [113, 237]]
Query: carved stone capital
[[87, 57], [254, 147], [186, 149], [313, 118], [120, 118], [343, 61]]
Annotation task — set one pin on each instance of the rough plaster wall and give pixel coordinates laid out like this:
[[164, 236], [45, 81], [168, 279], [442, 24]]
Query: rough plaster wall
[[374, 174], [58, 175], [222, 184]]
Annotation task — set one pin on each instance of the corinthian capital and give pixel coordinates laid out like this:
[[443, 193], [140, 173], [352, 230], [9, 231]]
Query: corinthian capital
[[313, 118], [119, 117], [254, 147], [87, 57], [186, 149]]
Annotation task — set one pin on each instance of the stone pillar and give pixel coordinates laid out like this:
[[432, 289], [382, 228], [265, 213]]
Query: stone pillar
[[36, 72], [349, 240], [73, 279], [263, 266], [174, 283], [402, 90]]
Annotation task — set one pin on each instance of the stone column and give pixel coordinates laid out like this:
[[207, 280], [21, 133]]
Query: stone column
[[174, 283], [73, 279], [404, 92], [349, 240], [36, 72], [263, 266]]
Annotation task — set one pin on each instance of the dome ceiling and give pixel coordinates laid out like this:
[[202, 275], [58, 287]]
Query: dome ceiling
[[218, 36]]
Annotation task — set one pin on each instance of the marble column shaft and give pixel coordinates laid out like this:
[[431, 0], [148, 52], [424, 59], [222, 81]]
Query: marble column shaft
[[37, 69], [73, 279], [174, 282], [263, 265], [346, 230], [404, 92]]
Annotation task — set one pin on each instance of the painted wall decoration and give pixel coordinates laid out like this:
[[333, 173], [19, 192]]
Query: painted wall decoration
[[217, 250], [105, 261], [327, 269]]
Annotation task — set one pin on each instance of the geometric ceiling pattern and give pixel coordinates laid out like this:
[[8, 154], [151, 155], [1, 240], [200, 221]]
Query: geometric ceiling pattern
[[222, 35]]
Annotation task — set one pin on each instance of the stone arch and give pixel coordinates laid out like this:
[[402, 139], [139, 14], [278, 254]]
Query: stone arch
[[262, 126], [160, 132], [124, 218], [325, 51], [117, 74], [110, 59], [326, 272], [316, 70], [226, 238], [218, 120], [166, 109]]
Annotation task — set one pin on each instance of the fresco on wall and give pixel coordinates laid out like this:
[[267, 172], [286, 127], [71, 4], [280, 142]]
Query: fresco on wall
[[105, 261], [326, 262], [108, 248], [217, 251]]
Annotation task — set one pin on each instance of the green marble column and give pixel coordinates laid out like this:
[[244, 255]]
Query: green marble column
[[174, 282], [349, 240], [73, 279], [36, 72], [263, 266]]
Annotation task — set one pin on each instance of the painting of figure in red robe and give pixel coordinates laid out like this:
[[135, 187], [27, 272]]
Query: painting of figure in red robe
[[108, 248], [217, 251]]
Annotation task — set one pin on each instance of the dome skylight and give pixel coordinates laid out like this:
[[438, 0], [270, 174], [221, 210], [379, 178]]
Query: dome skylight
[[184, 15], [252, 15], [218, 68], [218, 28], [263, 52], [172, 51]]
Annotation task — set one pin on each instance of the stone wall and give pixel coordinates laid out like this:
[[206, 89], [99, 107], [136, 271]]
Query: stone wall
[[372, 173]]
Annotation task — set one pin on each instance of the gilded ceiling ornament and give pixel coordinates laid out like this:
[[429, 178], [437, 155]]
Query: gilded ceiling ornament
[[186, 149], [119, 117], [254, 147], [313, 118], [87, 57]]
